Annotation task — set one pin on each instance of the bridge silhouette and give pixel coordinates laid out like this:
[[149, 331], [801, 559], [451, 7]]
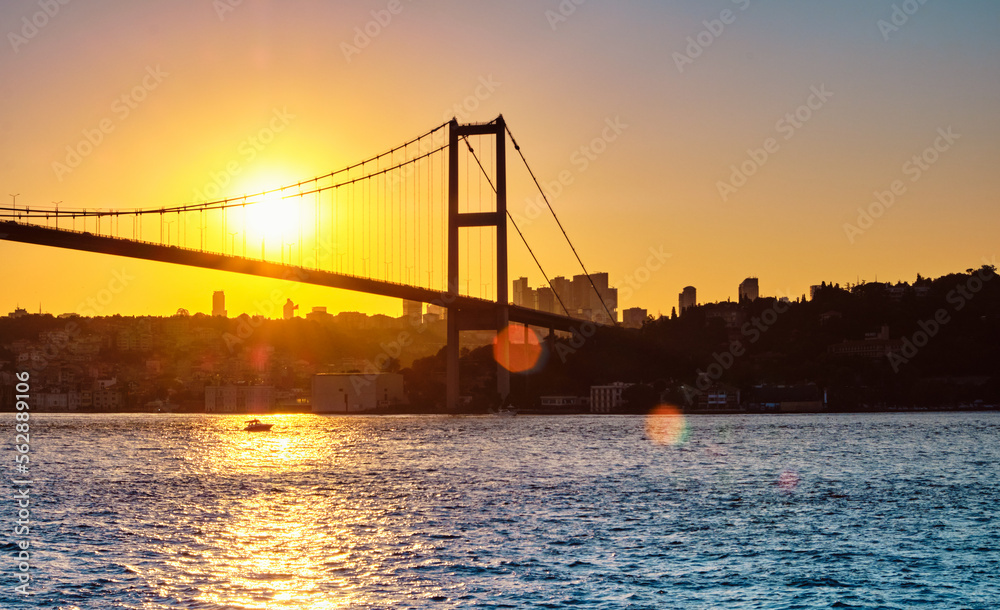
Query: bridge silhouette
[[380, 213]]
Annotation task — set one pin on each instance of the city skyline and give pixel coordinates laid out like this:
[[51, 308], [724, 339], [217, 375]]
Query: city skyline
[[574, 293], [767, 128], [333, 286]]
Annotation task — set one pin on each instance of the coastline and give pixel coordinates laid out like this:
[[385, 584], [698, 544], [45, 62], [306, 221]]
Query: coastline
[[536, 412]]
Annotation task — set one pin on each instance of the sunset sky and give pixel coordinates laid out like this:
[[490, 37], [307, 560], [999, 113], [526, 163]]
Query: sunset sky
[[823, 104]]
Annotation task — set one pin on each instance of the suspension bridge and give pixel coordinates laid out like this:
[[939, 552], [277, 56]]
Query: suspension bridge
[[424, 221]]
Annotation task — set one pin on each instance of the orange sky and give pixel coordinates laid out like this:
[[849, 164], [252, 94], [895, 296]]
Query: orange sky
[[823, 103]]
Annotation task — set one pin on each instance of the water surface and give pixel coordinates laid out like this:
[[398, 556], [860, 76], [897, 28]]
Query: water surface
[[805, 511]]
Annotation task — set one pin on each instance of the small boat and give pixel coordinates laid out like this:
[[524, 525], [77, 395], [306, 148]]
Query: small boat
[[255, 425], [508, 411]]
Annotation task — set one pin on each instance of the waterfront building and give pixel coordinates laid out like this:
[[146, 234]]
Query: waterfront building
[[356, 392], [608, 398]]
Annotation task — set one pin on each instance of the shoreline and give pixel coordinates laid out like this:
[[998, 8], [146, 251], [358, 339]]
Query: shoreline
[[535, 413]]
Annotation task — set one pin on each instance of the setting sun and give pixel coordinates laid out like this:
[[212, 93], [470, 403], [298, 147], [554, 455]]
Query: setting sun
[[273, 216], [269, 221]]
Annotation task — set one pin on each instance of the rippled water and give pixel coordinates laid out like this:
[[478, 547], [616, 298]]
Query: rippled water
[[817, 511]]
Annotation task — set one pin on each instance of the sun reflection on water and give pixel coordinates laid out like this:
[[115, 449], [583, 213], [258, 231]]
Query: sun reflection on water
[[229, 449], [271, 541]]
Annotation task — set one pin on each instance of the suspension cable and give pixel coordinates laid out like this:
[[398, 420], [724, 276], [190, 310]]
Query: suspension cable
[[516, 228], [230, 202], [549, 205]]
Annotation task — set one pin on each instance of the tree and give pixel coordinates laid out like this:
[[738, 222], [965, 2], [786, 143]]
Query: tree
[[640, 398]]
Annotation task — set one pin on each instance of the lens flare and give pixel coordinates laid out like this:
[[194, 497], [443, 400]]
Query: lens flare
[[518, 349], [259, 358], [666, 425]]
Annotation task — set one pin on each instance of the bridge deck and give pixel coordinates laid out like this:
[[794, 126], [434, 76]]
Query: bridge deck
[[476, 314]]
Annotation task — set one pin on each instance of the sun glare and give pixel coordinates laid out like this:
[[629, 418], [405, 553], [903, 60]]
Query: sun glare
[[268, 222], [273, 216]]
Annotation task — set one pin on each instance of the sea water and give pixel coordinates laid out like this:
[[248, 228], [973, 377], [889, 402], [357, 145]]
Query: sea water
[[728, 511]]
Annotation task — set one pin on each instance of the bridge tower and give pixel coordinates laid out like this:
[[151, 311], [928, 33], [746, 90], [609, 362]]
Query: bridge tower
[[457, 221]]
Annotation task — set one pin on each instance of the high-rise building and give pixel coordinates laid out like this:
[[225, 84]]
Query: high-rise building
[[749, 290], [580, 302], [413, 310], [633, 317], [610, 298], [219, 303], [591, 298], [577, 296], [289, 309], [562, 291], [437, 310], [597, 306], [687, 299], [523, 295], [545, 300]]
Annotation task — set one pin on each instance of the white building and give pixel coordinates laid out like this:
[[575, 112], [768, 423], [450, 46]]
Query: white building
[[607, 398], [52, 401], [356, 392], [564, 403], [99, 400]]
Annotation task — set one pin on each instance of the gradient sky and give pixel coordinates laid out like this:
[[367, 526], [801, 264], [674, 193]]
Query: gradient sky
[[557, 78]]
